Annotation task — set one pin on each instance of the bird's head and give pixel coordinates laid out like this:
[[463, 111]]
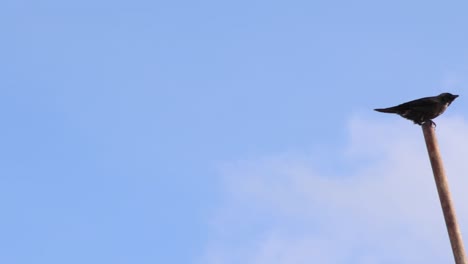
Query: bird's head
[[447, 97]]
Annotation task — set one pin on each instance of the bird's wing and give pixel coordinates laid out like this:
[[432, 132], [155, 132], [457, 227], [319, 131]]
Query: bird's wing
[[418, 110], [419, 104]]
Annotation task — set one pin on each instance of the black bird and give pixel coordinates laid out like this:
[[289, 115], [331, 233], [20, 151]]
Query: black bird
[[422, 110]]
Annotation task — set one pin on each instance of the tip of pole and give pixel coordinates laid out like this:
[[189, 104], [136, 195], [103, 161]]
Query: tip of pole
[[429, 124]]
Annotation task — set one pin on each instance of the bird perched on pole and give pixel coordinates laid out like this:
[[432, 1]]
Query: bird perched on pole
[[422, 110]]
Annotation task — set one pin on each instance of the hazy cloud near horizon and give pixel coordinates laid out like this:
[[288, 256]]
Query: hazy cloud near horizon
[[383, 209]]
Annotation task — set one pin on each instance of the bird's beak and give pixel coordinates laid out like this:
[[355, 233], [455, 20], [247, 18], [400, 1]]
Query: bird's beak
[[455, 95]]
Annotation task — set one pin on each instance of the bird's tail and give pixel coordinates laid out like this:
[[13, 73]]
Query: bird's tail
[[387, 110]]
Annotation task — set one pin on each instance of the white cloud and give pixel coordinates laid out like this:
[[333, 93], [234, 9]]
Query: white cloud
[[383, 209]]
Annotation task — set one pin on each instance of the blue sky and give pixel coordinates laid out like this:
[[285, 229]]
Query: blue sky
[[146, 131]]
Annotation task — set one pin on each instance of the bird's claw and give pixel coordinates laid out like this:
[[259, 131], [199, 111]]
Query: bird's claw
[[433, 124]]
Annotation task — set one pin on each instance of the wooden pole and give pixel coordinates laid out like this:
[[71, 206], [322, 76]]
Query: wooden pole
[[444, 194]]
